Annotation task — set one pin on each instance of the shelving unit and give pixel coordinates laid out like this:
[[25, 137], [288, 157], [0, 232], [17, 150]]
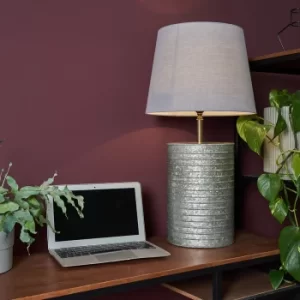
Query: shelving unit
[[285, 62], [244, 282], [237, 285]]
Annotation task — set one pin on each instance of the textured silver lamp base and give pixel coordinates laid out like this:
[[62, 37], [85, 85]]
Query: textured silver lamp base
[[201, 195]]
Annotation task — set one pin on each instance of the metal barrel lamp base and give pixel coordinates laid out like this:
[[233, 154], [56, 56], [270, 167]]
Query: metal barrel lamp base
[[201, 194]]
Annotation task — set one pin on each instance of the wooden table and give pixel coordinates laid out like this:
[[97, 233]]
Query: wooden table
[[40, 277]]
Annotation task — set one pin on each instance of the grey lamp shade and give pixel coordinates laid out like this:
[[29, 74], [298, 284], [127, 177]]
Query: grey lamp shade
[[201, 66]]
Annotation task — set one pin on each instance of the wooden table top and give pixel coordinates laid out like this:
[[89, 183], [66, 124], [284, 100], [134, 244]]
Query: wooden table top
[[39, 276]]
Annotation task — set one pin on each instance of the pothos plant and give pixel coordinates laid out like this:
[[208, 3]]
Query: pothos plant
[[281, 194], [26, 206]]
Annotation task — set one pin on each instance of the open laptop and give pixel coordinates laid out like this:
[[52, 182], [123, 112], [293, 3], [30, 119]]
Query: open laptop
[[112, 228]]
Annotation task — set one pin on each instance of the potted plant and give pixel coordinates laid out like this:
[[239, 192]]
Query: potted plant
[[26, 207], [280, 188]]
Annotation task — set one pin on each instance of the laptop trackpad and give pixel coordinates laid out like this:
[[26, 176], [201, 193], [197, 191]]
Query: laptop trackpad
[[115, 256]]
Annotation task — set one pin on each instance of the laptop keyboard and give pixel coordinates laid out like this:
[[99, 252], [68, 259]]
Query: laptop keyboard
[[90, 250]]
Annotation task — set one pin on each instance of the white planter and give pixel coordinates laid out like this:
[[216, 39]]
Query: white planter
[[6, 251], [272, 152]]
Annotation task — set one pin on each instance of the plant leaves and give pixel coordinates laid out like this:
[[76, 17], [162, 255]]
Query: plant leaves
[[35, 207], [59, 202], [8, 207], [26, 238], [12, 183], [296, 164], [280, 98], [48, 182], [3, 190], [252, 132], [255, 135], [24, 194], [276, 278], [30, 226], [240, 123], [289, 245], [33, 202], [279, 209], [269, 185], [280, 125], [23, 204], [70, 199], [9, 223], [295, 116], [2, 198], [42, 220]]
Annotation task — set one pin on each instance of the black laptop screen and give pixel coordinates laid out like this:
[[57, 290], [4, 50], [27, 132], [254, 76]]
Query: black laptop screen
[[107, 213]]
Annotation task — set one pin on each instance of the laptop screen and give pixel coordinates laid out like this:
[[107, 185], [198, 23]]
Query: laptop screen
[[107, 213]]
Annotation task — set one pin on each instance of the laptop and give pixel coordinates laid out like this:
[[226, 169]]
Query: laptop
[[112, 229]]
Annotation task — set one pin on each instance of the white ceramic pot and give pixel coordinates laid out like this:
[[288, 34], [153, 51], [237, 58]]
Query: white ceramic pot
[[6, 251], [271, 152]]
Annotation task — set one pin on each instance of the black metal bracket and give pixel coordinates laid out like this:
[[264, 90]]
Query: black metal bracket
[[292, 23]]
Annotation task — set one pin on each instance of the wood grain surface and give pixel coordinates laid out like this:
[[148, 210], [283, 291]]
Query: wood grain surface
[[237, 285], [276, 55], [39, 276]]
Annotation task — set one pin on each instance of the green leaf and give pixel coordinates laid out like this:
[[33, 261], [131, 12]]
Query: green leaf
[[42, 220], [34, 202], [289, 245], [252, 132], [35, 207], [255, 135], [240, 123], [8, 207], [280, 99], [59, 202], [276, 278], [279, 209], [3, 190], [23, 204], [70, 196], [295, 116], [30, 226], [9, 223], [269, 185], [2, 198], [23, 216], [280, 125], [48, 182], [26, 220], [296, 164], [12, 183], [24, 194], [25, 237]]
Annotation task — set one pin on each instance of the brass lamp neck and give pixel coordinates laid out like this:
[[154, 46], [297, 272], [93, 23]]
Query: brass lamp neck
[[200, 126]]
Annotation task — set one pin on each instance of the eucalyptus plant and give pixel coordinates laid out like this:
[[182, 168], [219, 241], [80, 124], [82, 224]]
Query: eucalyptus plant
[[282, 194], [26, 206]]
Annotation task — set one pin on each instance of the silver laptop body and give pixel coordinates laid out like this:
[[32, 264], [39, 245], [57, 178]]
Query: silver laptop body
[[112, 229]]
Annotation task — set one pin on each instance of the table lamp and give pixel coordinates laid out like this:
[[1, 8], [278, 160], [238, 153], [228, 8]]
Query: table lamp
[[200, 69]]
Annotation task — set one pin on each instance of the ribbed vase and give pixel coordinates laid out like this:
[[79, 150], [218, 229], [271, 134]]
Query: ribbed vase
[[287, 141], [201, 195]]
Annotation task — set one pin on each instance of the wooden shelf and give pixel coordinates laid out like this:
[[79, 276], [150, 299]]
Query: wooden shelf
[[39, 276], [285, 62], [237, 285]]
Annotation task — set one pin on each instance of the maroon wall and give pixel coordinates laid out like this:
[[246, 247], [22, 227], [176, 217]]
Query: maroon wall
[[74, 78]]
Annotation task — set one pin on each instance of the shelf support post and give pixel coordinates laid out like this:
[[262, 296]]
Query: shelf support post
[[217, 285]]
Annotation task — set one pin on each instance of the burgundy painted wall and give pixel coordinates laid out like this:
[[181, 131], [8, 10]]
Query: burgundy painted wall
[[74, 79]]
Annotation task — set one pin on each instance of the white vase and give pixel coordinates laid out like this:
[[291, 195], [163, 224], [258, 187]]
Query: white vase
[[6, 251], [271, 152]]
